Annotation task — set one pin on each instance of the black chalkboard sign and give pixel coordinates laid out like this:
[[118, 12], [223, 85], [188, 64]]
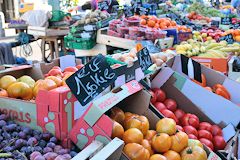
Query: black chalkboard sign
[[103, 6], [215, 23], [142, 11], [128, 11], [226, 21], [144, 59], [235, 26], [228, 38], [136, 3], [91, 80]]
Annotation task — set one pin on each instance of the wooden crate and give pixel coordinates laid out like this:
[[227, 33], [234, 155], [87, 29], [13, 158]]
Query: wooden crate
[[42, 31]]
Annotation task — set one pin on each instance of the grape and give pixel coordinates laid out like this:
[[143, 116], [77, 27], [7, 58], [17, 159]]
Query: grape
[[67, 157], [19, 143], [10, 122], [8, 149], [3, 117], [28, 150], [39, 157], [1, 138], [53, 139], [10, 127], [27, 130], [57, 148], [51, 145], [15, 134], [2, 123], [38, 148], [73, 153], [50, 155], [60, 157], [47, 149], [32, 141], [62, 151], [36, 132], [22, 135], [42, 143], [46, 136], [34, 154], [37, 137], [6, 135]]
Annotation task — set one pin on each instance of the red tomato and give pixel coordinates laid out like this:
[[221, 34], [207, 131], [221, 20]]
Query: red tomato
[[219, 143], [79, 66], [192, 136], [171, 104], [207, 143], [169, 114], [190, 120], [160, 94], [154, 98], [205, 134], [179, 128], [216, 131], [160, 106], [179, 113], [70, 69], [205, 126], [190, 130]]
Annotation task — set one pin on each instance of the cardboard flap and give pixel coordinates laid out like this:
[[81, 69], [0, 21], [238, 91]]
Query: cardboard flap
[[105, 103], [164, 75]]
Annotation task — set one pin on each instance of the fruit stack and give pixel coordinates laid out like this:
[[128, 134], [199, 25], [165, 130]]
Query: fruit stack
[[210, 135], [208, 49], [27, 89], [197, 18], [21, 143], [163, 143]]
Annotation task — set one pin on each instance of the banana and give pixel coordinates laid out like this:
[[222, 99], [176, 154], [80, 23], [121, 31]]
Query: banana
[[230, 49], [212, 45], [216, 54]]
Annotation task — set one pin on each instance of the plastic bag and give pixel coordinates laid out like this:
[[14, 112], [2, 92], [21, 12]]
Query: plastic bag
[[38, 18]]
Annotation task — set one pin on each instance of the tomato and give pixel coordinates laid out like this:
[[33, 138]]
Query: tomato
[[3, 93], [219, 143], [166, 125], [171, 104], [161, 142], [139, 122], [117, 130], [150, 134], [146, 144], [132, 135], [204, 81], [216, 131], [153, 97], [55, 72], [160, 94], [205, 126], [172, 155], [57, 80], [194, 153], [194, 142], [70, 69], [169, 114], [20, 90], [190, 120], [190, 130], [66, 75], [207, 143], [135, 151], [179, 141], [80, 66], [117, 115], [205, 134], [221, 90], [6, 81], [157, 157], [179, 128], [46, 84], [160, 106], [179, 113], [192, 136], [57, 67]]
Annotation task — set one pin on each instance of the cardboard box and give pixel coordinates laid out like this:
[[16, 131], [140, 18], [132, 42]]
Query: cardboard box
[[96, 125], [218, 64], [231, 73]]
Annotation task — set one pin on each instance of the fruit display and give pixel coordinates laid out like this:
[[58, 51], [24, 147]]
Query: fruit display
[[200, 8], [164, 142], [205, 132], [162, 23], [235, 33], [93, 17], [208, 33], [26, 88], [198, 18], [208, 49], [21, 143]]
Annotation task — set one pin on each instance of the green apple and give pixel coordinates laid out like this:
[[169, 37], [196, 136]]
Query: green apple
[[204, 35], [28, 80]]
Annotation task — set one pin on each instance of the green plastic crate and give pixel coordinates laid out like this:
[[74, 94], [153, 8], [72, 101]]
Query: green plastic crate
[[80, 43]]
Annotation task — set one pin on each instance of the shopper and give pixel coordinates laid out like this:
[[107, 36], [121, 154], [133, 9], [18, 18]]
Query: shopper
[[94, 3]]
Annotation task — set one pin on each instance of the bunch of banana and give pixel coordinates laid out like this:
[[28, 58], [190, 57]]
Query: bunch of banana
[[208, 49]]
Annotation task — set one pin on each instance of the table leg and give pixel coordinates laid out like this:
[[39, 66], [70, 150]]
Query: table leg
[[43, 49], [51, 47], [56, 48]]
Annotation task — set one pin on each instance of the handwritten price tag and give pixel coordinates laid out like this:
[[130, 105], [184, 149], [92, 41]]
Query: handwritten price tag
[[228, 38], [103, 6], [226, 21], [88, 82], [144, 59], [128, 11]]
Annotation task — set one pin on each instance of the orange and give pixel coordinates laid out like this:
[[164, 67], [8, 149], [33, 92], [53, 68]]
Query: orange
[[151, 23], [172, 155], [156, 25], [173, 23], [237, 38], [143, 22]]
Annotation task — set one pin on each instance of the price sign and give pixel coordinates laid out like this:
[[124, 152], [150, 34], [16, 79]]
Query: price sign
[[144, 59], [215, 23], [88, 82], [128, 11], [235, 26], [142, 11], [103, 6], [228, 38], [136, 3], [226, 21]]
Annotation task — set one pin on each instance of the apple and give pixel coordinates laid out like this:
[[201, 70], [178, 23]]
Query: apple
[[153, 97], [190, 130], [171, 104], [160, 94], [205, 126], [179, 113], [160, 106], [190, 120]]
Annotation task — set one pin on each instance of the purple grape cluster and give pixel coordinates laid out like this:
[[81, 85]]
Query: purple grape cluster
[[21, 143]]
